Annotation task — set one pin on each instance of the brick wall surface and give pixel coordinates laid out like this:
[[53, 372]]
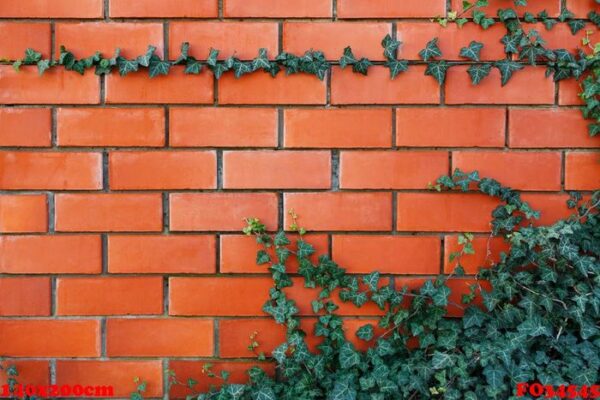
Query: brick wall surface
[[122, 198]]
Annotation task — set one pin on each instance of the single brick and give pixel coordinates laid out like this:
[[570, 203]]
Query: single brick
[[161, 254], [450, 127], [163, 170], [487, 252], [222, 127], [337, 128], [582, 171], [221, 211], [533, 6], [103, 127], [295, 169], [24, 35], [108, 212], [53, 171], [50, 338], [25, 296], [109, 296], [340, 211], [277, 9], [410, 87], [51, 9], [163, 9], [568, 93], [25, 127], [23, 213], [359, 9], [61, 254], [391, 169], [146, 337], [387, 254]]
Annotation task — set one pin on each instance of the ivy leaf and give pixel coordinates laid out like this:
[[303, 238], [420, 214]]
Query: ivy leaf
[[371, 280], [472, 52], [126, 66], [362, 66], [192, 66], [347, 58], [438, 70], [441, 360], [342, 391], [431, 50], [212, 57], [281, 239], [576, 25], [158, 67], [241, 68], [279, 353], [31, 56], [479, 71], [396, 67], [183, 57], [365, 332], [390, 47], [511, 43], [440, 297], [144, 60], [304, 249], [265, 393], [262, 61], [42, 66], [262, 257], [494, 375], [507, 68], [348, 357]]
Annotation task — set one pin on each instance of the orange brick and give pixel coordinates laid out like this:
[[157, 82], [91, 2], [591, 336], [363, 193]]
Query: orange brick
[[145, 337], [487, 252], [549, 128], [222, 127], [163, 170], [32, 372], [56, 86], [111, 127], [568, 93], [234, 336], [517, 169], [387, 254], [44, 170], [176, 88], [460, 90], [390, 9], [552, 206], [108, 212], [63, 254], [25, 127], [261, 88], [332, 37], [240, 39], [391, 169], [582, 171], [337, 128], [25, 296], [109, 296], [277, 9], [84, 39], [444, 212], [161, 254], [116, 374], [162, 9], [581, 8], [53, 9], [450, 127], [23, 213], [340, 211], [23, 36], [409, 87], [533, 6], [295, 169], [221, 211], [50, 338]]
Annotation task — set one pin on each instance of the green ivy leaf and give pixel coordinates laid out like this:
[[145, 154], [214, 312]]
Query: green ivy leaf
[[438, 70], [473, 51], [158, 67], [348, 58], [144, 60], [262, 257], [42, 66], [348, 357], [442, 360], [372, 280], [396, 67], [576, 25], [192, 66], [362, 66], [431, 50], [126, 66], [390, 47], [507, 68], [183, 57], [31, 56], [365, 332]]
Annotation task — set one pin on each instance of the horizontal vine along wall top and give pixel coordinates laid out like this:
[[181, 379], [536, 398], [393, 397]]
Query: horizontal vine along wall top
[[125, 177]]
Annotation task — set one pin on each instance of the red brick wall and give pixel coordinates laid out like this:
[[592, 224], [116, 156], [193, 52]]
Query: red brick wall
[[122, 198]]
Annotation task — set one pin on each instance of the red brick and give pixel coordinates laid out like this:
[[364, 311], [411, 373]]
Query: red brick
[[23, 213], [163, 170], [108, 212], [261, 88], [531, 170], [332, 37], [387, 254], [25, 296], [340, 211], [444, 212], [391, 169], [552, 206], [50, 338], [294, 169], [56, 86], [581, 8], [51, 9], [450, 127], [410, 87], [242, 39], [460, 90], [337, 128], [109, 296], [84, 39], [63, 254], [534, 6], [223, 127], [221, 211], [549, 128], [32, 372], [161, 254], [487, 252], [582, 171], [44, 170], [25, 127], [176, 88], [390, 9], [568, 93], [116, 374], [162, 9], [23, 36], [277, 9], [146, 337], [238, 253], [112, 127], [234, 336]]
